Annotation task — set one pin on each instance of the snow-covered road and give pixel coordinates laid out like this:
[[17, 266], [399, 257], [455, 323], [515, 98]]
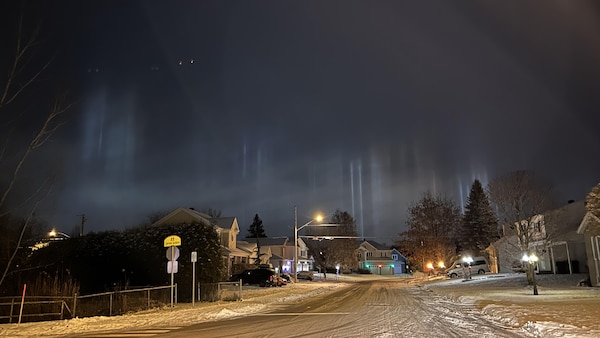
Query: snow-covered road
[[362, 306], [381, 308]]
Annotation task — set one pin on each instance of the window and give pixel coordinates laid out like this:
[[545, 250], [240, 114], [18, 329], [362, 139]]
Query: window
[[395, 257], [369, 254]]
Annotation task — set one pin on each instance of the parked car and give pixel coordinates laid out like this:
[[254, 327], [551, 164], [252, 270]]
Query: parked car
[[261, 277], [478, 266], [518, 266], [307, 275], [287, 277], [280, 281]]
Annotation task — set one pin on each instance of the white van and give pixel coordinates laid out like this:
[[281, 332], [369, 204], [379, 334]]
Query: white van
[[478, 266]]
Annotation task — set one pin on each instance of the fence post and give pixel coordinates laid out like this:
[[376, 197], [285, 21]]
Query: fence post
[[22, 303], [12, 306], [110, 305], [148, 298], [240, 283], [62, 308], [74, 305]]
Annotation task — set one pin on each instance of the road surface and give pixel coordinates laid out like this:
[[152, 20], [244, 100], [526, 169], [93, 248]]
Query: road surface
[[381, 308]]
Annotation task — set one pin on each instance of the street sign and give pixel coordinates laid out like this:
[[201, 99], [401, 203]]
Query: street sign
[[172, 253], [172, 267], [172, 240], [194, 257]]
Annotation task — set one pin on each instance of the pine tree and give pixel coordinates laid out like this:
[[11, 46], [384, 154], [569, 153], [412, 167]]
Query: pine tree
[[256, 229], [479, 225]]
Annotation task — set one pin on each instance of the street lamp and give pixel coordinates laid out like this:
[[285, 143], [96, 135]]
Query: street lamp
[[319, 218], [53, 233], [468, 260], [532, 260]]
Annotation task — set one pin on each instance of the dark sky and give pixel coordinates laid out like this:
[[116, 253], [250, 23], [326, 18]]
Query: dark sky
[[256, 106]]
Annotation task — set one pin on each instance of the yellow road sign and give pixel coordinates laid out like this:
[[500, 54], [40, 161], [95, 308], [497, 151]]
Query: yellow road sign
[[172, 240]]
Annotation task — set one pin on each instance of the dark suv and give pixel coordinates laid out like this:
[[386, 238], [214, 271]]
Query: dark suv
[[262, 277]]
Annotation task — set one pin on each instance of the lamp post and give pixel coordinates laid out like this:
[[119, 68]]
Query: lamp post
[[468, 260], [53, 233], [532, 260], [296, 229]]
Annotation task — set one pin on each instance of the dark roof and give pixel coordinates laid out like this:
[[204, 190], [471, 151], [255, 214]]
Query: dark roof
[[566, 218], [377, 245], [223, 222]]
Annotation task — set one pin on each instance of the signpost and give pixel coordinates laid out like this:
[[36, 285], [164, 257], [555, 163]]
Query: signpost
[[194, 259], [171, 243]]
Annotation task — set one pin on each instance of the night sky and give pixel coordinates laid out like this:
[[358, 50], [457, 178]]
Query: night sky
[[256, 106]]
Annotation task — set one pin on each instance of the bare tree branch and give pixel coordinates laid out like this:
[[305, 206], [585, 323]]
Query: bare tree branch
[[9, 93], [47, 129], [18, 245]]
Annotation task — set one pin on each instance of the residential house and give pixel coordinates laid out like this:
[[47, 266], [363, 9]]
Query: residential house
[[227, 228], [504, 255], [253, 256], [380, 259], [281, 253], [278, 251], [590, 229], [554, 238]]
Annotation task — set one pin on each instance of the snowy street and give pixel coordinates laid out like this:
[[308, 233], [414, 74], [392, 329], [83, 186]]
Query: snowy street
[[362, 306], [386, 308]]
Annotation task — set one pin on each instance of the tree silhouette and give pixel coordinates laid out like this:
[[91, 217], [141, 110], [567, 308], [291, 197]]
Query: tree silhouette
[[432, 223], [479, 224], [256, 229]]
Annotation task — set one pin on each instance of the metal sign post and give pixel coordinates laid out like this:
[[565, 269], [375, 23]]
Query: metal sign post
[[171, 243], [194, 259]]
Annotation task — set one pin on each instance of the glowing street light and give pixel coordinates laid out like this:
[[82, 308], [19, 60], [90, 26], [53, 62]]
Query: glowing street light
[[54, 234], [468, 260], [318, 218], [532, 260]]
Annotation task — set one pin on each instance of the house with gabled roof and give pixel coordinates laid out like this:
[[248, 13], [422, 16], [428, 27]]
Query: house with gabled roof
[[227, 229], [281, 251], [380, 259], [554, 237], [590, 229]]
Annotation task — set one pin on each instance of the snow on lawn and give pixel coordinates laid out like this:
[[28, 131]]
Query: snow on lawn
[[562, 308], [255, 300]]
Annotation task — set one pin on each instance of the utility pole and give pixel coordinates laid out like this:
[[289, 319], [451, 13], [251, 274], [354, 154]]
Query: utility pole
[[83, 219]]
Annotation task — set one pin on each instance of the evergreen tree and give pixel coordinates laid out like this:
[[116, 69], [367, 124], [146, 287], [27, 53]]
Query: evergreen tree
[[479, 224], [256, 229]]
